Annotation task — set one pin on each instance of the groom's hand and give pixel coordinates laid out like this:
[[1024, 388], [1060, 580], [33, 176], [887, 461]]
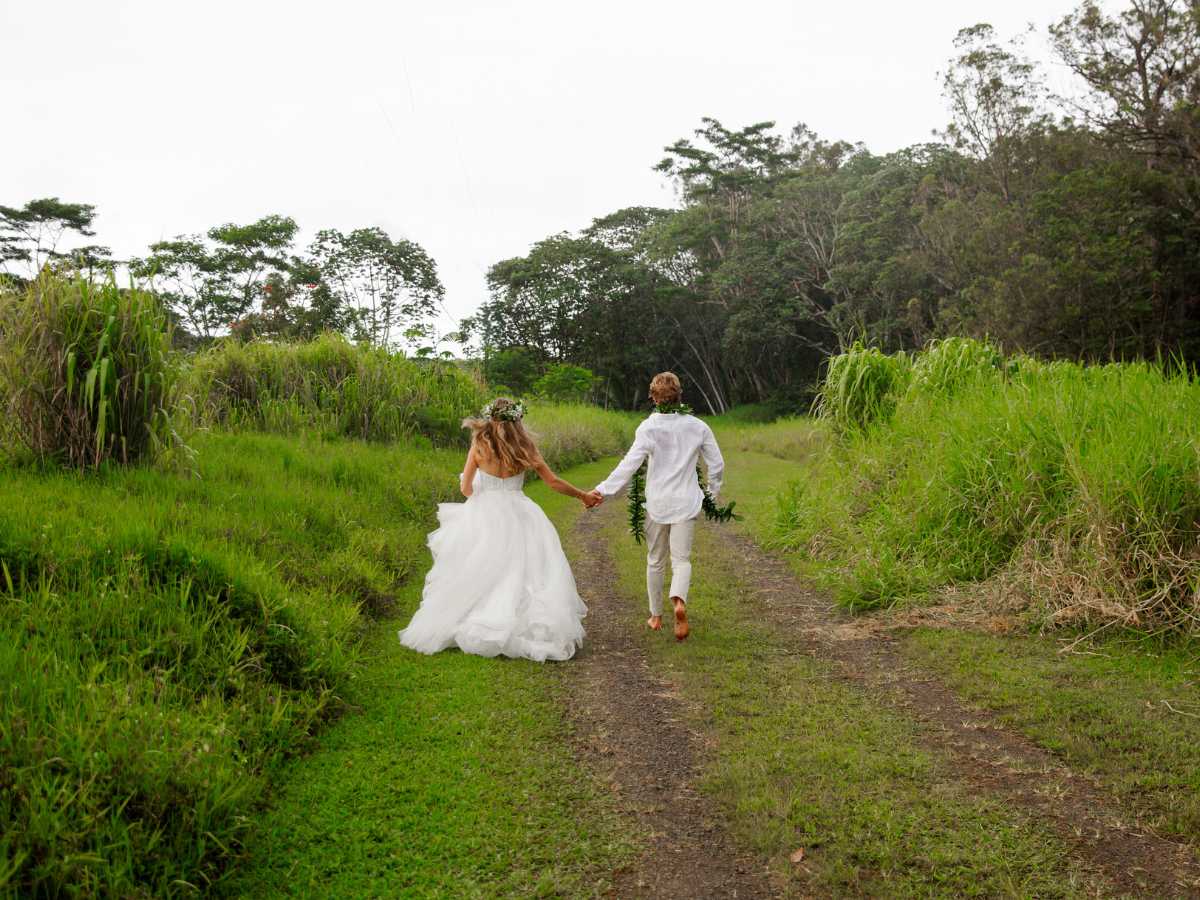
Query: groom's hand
[[593, 499]]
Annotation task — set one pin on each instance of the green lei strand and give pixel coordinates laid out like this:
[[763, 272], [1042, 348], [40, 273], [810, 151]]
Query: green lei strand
[[667, 408], [712, 512], [637, 504], [637, 489]]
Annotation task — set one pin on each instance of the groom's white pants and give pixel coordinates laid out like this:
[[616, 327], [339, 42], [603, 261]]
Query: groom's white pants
[[665, 542]]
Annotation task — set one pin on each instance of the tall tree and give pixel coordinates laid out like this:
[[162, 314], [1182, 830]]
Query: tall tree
[[390, 286], [212, 284], [1141, 68], [31, 235]]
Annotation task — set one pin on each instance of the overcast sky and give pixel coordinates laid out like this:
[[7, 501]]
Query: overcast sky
[[473, 128]]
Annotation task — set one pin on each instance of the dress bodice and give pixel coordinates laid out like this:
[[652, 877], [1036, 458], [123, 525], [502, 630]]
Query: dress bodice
[[486, 482]]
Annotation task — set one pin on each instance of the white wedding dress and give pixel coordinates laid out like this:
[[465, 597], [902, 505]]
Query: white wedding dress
[[500, 582]]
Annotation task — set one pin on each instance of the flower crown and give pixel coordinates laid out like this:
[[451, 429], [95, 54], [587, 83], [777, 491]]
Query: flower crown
[[512, 413]]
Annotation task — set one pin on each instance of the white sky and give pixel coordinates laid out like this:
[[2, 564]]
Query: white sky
[[473, 128]]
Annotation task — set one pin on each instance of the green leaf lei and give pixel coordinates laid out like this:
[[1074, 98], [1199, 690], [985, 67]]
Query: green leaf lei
[[637, 489]]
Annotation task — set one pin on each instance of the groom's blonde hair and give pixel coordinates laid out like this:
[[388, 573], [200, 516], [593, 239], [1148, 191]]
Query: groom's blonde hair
[[665, 388]]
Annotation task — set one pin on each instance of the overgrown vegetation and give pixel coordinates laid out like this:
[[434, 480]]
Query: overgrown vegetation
[[87, 373], [1076, 484], [334, 386], [570, 434]]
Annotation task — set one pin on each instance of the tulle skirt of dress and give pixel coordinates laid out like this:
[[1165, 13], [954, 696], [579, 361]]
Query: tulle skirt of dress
[[500, 582]]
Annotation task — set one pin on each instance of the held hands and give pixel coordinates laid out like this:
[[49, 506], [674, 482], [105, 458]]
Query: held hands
[[592, 499]]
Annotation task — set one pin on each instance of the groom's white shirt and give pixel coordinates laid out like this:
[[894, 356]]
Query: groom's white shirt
[[674, 443]]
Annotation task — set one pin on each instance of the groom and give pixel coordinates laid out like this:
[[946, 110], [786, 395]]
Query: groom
[[672, 440]]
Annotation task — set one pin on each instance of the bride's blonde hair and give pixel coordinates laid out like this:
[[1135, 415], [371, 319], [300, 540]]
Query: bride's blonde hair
[[501, 438]]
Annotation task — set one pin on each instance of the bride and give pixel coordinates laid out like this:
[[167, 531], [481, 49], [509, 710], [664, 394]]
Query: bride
[[500, 583]]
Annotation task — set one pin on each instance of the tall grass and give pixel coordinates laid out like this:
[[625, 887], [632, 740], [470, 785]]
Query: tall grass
[[86, 372], [861, 386], [568, 434], [1079, 486], [334, 386]]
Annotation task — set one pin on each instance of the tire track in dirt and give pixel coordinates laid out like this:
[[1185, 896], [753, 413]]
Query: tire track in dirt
[[630, 727]]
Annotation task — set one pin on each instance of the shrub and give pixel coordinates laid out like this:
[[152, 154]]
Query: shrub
[[861, 386], [333, 385], [86, 372], [568, 435], [565, 384]]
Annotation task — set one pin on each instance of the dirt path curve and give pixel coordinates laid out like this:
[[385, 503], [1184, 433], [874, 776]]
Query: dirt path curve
[[981, 752], [631, 729]]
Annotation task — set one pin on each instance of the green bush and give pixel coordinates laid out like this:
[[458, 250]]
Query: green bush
[[332, 385], [570, 434], [862, 385], [87, 373], [565, 384]]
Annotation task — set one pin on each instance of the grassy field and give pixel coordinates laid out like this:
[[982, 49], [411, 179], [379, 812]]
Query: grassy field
[[1121, 707], [453, 777], [168, 640], [203, 691]]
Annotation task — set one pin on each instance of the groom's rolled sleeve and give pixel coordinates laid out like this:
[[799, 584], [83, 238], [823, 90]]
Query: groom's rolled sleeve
[[625, 468], [714, 462]]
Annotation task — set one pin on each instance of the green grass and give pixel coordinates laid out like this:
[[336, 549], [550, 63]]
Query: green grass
[[454, 777], [1107, 711], [793, 438], [802, 759], [168, 641], [1101, 709], [571, 434]]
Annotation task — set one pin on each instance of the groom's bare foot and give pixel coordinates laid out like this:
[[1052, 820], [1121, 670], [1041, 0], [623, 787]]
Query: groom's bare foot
[[655, 623], [681, 623]]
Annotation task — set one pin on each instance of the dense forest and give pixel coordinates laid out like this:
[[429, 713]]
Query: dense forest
[[1062, 226]]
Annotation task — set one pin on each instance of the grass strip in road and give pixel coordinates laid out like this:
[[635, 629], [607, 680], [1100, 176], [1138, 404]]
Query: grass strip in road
[[454, 777], [803, 759], [1124, 711]]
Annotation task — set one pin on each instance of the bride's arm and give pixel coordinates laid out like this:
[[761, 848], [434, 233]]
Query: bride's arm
[[554, 482], [467, 482]]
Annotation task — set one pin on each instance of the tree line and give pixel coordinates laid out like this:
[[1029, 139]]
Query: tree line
[[1063, 226], [248, 280]]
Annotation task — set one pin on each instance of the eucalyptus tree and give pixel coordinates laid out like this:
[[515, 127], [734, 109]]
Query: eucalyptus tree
[[1141, 70]]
